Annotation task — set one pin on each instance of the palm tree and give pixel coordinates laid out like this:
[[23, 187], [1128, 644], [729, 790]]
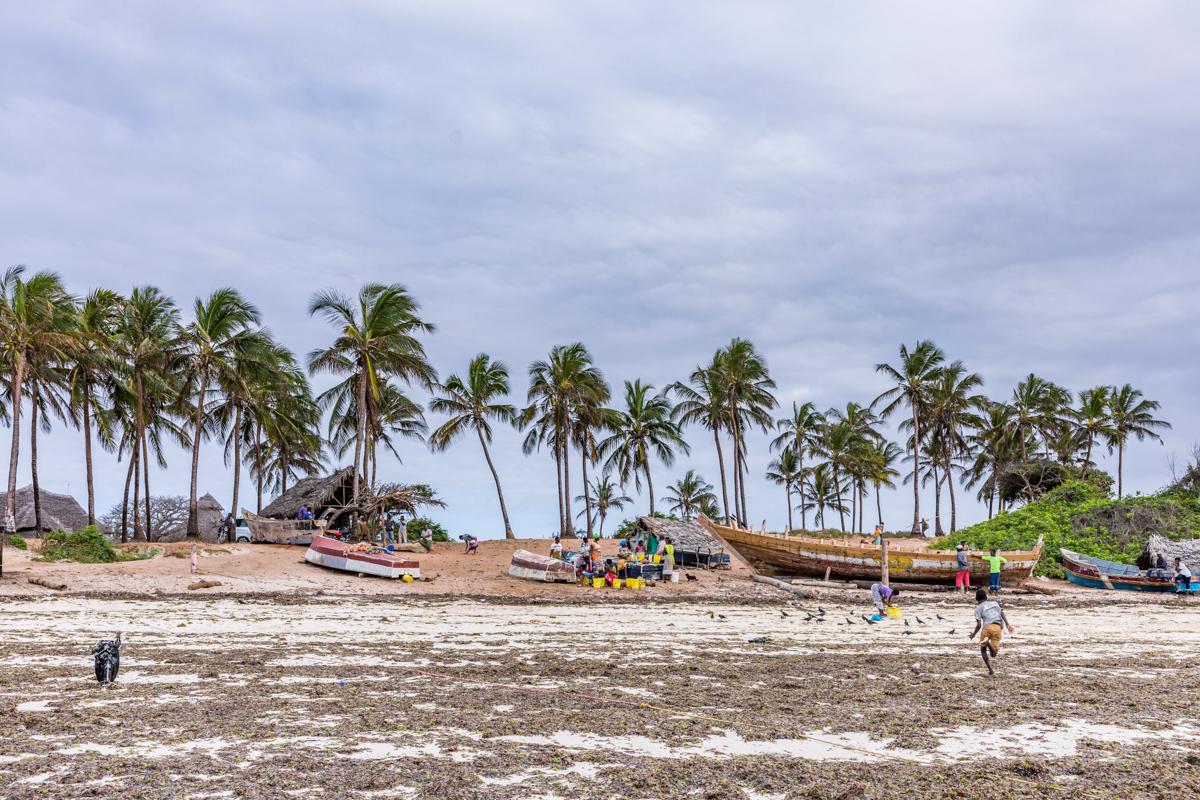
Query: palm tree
[[376, 339], [879, 459], [642, 429], [389, 411], [46, 384], [748, 400], [688, 493], [862, 422], [471, 402], [605, 495], [994, 444], [799, 434], [840, 445], [786, 471], [217, 344], [1093, 420], [88, 375], [558, 387], [35, 322], [708, 507], [913, 378], [823, 493], [1130, 415], [703, 403], [148, 345], [952, 411]]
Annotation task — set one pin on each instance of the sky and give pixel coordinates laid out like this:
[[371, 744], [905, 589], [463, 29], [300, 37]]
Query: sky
[[1015, 181]]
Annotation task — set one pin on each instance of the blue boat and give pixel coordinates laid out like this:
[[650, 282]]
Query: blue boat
[[1097, 573]]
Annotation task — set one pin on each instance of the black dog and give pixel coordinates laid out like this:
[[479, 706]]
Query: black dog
[[689, 576], [108, 659]]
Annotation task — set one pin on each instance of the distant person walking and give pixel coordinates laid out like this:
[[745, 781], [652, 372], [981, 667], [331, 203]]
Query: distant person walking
[[990, 617], [994, 575]]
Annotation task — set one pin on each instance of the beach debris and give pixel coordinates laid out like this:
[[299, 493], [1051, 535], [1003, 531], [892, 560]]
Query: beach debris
[[760, 640], [49, 584], [107, 653], [203, 584]]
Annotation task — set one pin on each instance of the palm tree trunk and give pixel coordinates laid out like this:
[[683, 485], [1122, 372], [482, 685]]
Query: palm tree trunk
[[508, 533], [33, 426], [937, 501], [1087, 459], [137, 476], [87, 449], [837, 490], [193, 523], [10, 505], [360, 434], [237, 459], [1120, 465], [788, 486], [878, 506], [649, 486], [587, 495], [145, 454], [853, 505], [258, 465], [562, 525], [566, 466], [125, 502], [803, 510], [953, 507], [745, 512], [721, 463], [916, 526]]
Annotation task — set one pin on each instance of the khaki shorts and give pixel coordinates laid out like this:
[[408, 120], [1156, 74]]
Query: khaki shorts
[[990, 635]]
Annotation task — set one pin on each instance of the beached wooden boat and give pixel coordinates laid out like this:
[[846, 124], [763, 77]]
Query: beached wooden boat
[[330, 553], [780, 554], [279, 531], [1100, 574], [533, 567]]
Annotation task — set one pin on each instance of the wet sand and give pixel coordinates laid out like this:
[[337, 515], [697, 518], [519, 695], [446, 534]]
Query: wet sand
[[421, 696]]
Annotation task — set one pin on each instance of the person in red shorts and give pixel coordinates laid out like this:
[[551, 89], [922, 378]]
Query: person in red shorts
[[962, 579]]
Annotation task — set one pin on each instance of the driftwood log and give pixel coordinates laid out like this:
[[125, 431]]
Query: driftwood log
[[1033, 586], [48, 584], [203, 584], [908, 587], [787, 587]]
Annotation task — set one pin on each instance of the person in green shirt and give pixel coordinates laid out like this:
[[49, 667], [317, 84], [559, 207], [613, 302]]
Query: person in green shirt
[[995, 561]]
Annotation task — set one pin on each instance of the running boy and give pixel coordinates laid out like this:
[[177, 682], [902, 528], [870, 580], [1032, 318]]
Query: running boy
[[990, 617], [995, 561]]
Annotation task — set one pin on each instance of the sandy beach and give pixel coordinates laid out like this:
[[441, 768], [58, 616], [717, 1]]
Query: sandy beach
[[476, 685]]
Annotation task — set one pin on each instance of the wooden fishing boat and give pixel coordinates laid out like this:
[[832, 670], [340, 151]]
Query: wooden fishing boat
[[1100, 574], [533, 567], [781, 554], [279, 531], [330, 553]]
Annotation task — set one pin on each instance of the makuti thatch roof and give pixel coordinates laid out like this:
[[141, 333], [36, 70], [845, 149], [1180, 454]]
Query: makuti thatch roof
[[686, 534], [60, 512], [316, 494], [1187, 551], [209, 513]]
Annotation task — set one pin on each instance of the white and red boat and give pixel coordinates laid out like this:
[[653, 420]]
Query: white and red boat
[[331, 553], [533, 567]]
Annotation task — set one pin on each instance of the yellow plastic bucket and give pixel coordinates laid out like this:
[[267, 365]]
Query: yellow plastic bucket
[[616, 583], [598, 583], [893, 613], [658, 559], [636, 583]]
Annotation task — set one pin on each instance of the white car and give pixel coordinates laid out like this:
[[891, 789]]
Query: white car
[[242, 532]]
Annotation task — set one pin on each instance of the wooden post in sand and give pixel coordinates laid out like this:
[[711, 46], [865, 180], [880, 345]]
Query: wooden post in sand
[[883, 560]]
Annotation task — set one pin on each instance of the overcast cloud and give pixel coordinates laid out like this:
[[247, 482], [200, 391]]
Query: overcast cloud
[[1016, 181]]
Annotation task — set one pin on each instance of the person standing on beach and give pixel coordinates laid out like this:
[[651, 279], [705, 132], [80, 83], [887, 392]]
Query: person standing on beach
[[962, 579], [594, 551], [990, 617], [995, 561], [389, 530], [668, 560], [878, 540], [556, 549]]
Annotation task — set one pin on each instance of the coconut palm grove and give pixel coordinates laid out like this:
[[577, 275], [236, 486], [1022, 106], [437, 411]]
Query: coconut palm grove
[[139, 372]]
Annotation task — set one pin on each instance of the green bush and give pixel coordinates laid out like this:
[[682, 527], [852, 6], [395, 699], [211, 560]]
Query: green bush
[[415, 526], [1078, 516], [18, 542], [88, 546]]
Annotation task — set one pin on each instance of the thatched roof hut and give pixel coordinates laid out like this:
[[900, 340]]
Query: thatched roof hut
[[1187, 551], [60, 512], [684, 534], [317, 494]]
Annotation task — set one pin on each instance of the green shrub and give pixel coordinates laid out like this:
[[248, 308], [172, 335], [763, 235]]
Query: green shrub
[[1079, 516], [18, 542], [88, 546], [415, 526]]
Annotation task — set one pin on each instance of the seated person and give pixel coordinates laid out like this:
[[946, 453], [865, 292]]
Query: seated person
[[622, 568]]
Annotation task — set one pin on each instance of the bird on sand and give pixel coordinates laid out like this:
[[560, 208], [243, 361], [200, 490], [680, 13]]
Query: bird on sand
[[939, 616], [921, 621], [952, 630], [871, 621], [906, 624], [722, 616], [820, 611], [852, 622], [784, 614], [906, 633], [864, 616]]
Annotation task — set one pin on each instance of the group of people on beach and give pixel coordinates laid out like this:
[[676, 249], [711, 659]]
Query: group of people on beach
[[589, 563]]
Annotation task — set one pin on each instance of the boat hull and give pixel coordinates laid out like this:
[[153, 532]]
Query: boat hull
[[1099, 574], [533, 567], [794, 555], [332, 554]]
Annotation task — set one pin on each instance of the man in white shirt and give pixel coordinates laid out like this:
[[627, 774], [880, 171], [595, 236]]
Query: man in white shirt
[[1183, 578]]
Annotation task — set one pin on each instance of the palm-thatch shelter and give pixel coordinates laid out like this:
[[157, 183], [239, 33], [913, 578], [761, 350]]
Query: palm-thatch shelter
[[1187, 550], [318, 494], [687, 534], [60, 512]]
